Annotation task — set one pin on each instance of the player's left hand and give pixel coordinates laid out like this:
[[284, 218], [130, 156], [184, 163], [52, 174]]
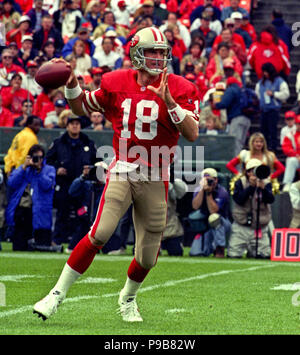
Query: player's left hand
[[163, 90]]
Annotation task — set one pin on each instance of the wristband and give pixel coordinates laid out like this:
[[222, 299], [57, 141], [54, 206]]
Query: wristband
[[71, 94], [177, 114]]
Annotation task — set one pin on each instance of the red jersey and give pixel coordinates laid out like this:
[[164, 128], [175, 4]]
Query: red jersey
[[139, 117]]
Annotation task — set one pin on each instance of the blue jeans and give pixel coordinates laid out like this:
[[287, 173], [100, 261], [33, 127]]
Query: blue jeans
[[268, 124], [213, 238]]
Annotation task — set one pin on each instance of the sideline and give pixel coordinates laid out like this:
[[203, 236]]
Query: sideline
[[161, 259]]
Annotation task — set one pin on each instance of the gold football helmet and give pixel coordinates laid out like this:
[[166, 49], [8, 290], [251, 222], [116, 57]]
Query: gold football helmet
[[149, 38]]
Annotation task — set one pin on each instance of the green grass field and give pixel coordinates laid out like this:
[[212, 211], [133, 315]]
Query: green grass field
[[180, 296]]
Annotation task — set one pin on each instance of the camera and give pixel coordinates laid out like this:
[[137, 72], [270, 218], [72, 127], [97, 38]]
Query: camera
[[262, 172], [210, 182], [35, 159]]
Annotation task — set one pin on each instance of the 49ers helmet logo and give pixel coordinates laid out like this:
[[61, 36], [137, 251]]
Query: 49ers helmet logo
[[134, 41]]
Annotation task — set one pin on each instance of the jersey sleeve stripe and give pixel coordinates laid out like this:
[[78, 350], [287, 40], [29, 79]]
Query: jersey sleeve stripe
[[89, 105]]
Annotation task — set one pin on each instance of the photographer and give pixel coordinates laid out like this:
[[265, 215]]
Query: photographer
[[212, 201], [31, 200], [250, 189], [86, 191]]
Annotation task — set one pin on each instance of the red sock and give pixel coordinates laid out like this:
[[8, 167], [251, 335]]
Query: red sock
[[136, 272], [82, 255]]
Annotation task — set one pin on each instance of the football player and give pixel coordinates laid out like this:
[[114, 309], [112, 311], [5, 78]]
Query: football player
[[148, 109]]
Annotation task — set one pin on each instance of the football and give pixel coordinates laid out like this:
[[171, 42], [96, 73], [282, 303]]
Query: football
[[52, 75]]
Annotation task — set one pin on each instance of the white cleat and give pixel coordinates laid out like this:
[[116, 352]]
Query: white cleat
[[47, 306], [129, 308]]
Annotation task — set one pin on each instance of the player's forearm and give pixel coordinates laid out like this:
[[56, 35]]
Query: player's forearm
[[189, 128], [74, 100], [76, 105]]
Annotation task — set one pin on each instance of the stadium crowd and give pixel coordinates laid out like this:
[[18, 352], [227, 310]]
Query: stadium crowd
[[215, 46]]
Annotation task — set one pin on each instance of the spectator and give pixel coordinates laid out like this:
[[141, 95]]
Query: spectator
[[68, 19], [291, 148], [147, 9], [234, 7], [21, 144], [258, 149], [265, 50], [51, 119], [215, 70], [83, 60], [109, 20], [235, 37], [212, 200], [6, 117], [49, 50], [27, 52], [36, 14], [48, 104], [68, 154], [212, 126], [94, 11], [206, 32], [27, 107], [271, 91], [176, 42], [28, 81], [297, 88], [122, 14], [85, 191], [173, 233], [15, 54], [247, 190], [31, 214], [195, 57], [98, 121], [196, 13], [7, 68], [13, 95], [238, 18], [2, 204], [248, 27], [47, 31], [9, 16], [117, 44], [106, 56], [228, 37], [82, 34], [63, 118], [96, 74], [213, 96], [290, 127], [238, 123], [16, 34], [214, 24], [159, 11], [184, 32], [283, 31], [295, 202]]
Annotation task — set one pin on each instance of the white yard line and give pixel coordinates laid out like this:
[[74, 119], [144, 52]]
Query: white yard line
[[145, 289]]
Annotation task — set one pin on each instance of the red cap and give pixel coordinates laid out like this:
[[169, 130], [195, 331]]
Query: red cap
[[31, 64], [96, 70], [290, 114], [297, 120], [122, 3]]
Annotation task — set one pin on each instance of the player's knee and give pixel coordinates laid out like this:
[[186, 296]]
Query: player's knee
[[156, 223]]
